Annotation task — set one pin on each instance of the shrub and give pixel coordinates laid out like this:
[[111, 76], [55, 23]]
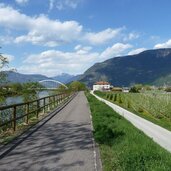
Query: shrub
[[129, 104], [168, 89], [134, 90], [111, 96], [115, 98], [120, 99]]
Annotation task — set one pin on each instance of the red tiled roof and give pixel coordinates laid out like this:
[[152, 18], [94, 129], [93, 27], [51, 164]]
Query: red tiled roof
[[102, 83]]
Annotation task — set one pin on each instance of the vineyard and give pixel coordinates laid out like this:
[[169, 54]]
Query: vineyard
[[153, 106]]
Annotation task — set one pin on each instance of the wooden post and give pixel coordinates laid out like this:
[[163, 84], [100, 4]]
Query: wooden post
[[57, 99], [37, 113], [27, 113], [14, 118], [49, 105], [44, 107], [54, 102], [61, 98]]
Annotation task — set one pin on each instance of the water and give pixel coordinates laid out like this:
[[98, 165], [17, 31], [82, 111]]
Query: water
[[19, 99]]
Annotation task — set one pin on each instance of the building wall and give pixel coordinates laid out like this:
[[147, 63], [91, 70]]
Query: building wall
[[101, 87]]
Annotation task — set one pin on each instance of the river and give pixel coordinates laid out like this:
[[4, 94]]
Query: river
[[19, 99]]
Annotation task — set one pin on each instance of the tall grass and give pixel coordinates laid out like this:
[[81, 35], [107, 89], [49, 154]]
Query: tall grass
[[122, 146]]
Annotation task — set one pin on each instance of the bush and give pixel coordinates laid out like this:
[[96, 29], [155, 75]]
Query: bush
[[111, 96], [129, 104], [115, 98], [134, 90], [120, 99], [168, 89]]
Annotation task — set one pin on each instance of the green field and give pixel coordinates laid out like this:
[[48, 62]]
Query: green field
[[122, 146], [153, 106]]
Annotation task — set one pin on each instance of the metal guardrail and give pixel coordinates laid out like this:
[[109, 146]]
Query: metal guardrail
[[12, 115]]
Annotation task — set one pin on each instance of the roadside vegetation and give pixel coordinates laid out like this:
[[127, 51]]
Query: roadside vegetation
[[122, 146], [154, 106]]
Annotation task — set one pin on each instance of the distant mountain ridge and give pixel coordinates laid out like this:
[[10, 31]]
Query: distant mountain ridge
[[148, 67], [22, 78], [64, 78]]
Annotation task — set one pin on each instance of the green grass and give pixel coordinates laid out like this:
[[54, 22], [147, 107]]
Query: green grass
[[122, 146], [153, 107]]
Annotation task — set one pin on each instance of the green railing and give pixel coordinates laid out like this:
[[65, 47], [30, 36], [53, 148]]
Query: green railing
[[13, 115]]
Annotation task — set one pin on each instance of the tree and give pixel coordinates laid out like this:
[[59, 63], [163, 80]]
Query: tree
[[16, 88], [77, 86], [61, 89], [3, 63], [29, 91], [136, 88]]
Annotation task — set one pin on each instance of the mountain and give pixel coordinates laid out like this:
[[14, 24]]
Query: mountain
[[148, 67], [65, 78], [22, 78]]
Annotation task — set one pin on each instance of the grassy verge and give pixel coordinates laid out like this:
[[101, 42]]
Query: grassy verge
[[122, 146], [136, 108]]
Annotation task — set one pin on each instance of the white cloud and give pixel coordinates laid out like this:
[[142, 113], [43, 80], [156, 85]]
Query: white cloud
[[54, 62], [103, 36], [54, 33], [9, 57], [163, 45], [116, 50], [64, 4], [12, 19], [78, 47], [131, 36], [83, 48], [41, 30], [136, 51], [51, 4], [21, 1], [6, 40]]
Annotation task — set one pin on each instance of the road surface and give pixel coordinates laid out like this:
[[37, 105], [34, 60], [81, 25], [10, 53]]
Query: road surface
[[62, 143], [157, 133]]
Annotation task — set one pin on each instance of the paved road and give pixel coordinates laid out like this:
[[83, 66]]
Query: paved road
[[157, 133], [63, 143]]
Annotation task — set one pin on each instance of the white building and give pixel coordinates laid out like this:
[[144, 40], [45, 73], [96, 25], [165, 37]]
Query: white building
[[125, 89], [101, 86]]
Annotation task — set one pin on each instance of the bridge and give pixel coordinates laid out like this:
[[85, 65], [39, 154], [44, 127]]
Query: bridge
[[51, 84]]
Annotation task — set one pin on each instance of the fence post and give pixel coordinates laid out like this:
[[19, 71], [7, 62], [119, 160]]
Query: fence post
[[27, 113], [14, 118], [44, 107], [49, 104], [37, 113], [54, 102], [61, 98]]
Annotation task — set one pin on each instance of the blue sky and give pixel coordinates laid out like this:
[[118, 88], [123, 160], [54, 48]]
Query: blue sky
[[54, 36]]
